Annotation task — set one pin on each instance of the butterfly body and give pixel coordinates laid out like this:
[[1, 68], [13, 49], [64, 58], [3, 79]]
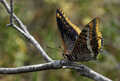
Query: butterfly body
[[79, 45]]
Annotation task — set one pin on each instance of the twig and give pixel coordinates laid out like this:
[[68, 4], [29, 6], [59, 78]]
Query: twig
[[24, 31], [31, 68], [87, 72], [11, 13], [59, 64]]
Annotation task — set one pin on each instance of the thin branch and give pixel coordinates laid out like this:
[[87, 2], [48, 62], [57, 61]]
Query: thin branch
[[87, 72], [31, 68], [18, 21], [11, 13], [25, 32], [84, 70]]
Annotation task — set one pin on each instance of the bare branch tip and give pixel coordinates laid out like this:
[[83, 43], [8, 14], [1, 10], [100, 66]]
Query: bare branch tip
[[9, 25]]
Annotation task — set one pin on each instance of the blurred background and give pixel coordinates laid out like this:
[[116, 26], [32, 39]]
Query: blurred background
[[40, 18]]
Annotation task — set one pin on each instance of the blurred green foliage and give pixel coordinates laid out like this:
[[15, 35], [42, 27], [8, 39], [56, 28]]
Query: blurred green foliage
[[39, 16]]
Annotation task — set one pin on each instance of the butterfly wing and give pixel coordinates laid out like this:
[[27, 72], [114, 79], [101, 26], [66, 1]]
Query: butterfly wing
[[96, 39], [69, 32], [80, 51], [88, 44]]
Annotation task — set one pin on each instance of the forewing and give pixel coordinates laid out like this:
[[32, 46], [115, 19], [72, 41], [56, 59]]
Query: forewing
[[69, 32]]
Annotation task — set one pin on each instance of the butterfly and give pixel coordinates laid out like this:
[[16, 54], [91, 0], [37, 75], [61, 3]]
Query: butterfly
[[79, 45]]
